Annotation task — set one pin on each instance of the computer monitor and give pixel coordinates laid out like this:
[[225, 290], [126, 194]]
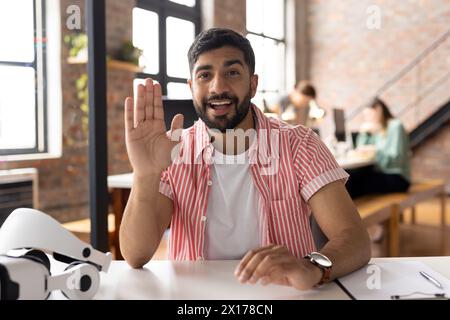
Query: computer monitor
[[339, 125], [184, 107]]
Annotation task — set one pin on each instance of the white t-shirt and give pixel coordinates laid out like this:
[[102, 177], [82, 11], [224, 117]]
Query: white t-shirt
[[232, 223]]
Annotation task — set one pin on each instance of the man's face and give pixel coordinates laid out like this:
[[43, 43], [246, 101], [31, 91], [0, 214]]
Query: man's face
[[222, 87]]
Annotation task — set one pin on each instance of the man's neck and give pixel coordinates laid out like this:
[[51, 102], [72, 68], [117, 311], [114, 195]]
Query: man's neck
[[220, 139]]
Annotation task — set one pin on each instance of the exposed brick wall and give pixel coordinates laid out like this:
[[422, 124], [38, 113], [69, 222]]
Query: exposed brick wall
[[230, 14], [63, 182], [350, 62], [431, 159]]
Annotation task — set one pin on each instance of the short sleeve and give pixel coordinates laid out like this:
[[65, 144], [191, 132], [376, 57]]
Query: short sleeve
[[164, 185], [315, 165]]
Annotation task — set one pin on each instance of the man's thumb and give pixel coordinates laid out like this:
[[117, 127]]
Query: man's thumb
[[176, 127]]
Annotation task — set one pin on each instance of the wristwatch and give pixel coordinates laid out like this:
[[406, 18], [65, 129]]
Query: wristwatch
[[323, 263]]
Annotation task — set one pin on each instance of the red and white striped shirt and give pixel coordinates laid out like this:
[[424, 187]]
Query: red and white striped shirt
[[288, 165]]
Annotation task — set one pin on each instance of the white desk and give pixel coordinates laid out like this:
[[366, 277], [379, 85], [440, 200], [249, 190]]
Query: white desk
[[210, 280]]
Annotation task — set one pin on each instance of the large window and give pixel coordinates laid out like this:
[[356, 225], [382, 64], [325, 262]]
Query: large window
[[164, 30], [266, 32], [22, 77]]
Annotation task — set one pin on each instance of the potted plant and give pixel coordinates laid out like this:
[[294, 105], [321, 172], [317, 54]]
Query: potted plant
[[77, 43]]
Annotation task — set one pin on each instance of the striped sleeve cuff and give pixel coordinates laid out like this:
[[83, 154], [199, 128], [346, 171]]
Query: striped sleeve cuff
[[165, 189], [320, 181]]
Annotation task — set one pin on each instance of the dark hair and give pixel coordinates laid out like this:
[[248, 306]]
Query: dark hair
[[387, 115], [216, 38], [306, 88]]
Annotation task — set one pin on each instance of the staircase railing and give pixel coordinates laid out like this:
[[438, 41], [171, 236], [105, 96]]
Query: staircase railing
[[413, 78]]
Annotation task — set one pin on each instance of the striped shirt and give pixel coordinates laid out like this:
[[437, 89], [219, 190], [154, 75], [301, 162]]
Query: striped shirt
[[288, 166]]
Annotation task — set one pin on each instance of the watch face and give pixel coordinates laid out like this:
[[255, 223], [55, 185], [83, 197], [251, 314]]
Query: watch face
[[321, 260]]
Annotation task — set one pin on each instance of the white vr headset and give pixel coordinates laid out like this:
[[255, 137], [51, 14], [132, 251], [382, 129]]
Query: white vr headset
[[28, 276]]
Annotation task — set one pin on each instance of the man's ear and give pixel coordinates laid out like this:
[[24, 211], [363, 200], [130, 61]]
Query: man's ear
[[189, 82], [253, 84]]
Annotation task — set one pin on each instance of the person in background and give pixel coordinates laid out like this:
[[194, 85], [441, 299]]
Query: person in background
[[295, 107], [386, 138]]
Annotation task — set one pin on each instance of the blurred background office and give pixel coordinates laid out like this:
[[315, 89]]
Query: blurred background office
[[348, 52]]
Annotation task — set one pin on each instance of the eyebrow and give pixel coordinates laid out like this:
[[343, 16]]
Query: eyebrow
[[234, 61], [226, 64]]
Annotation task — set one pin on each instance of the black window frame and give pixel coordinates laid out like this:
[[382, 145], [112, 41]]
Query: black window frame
[[277, 41], [40, 59], [164, 9]]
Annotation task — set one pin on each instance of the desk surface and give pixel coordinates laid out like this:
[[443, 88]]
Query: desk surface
[[210, 280]]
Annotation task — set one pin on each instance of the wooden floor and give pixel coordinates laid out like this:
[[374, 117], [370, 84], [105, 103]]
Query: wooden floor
[[421, 239]]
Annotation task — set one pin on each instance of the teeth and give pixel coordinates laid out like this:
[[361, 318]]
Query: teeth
[[219, 103]]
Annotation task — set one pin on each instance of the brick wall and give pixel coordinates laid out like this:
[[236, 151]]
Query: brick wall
[[349, 62], [63, 182], [230, 14], [431, 159]]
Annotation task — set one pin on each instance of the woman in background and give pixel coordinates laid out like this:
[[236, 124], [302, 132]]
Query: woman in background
[[386, 137]]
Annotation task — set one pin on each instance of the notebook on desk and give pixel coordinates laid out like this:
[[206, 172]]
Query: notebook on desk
[[398, 280]]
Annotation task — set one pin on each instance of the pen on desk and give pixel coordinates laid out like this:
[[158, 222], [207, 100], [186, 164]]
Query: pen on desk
[[431, 279]]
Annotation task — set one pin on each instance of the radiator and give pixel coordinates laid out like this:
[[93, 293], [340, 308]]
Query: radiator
[[18, 189]]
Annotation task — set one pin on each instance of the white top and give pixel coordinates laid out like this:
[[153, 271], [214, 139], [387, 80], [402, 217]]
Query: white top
[[232, 224]]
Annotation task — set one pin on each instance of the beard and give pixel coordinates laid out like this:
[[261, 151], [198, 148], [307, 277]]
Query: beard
[[227, 121]]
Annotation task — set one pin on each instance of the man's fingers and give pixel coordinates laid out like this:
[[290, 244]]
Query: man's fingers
[[157, 102], [248, 256], [149, 107], [129, 114], [266, 266], [140, 105], [253, 262]]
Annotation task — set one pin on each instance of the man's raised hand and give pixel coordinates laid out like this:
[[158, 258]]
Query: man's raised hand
[[148, 146]]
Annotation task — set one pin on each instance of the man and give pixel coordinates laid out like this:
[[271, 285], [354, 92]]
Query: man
[[298, 102], [255, 210]]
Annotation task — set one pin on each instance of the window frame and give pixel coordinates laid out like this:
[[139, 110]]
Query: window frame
[[164, 9], [39, 65], [277, 41]]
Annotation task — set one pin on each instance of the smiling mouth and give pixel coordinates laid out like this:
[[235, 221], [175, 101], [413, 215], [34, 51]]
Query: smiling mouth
[[220, 104]]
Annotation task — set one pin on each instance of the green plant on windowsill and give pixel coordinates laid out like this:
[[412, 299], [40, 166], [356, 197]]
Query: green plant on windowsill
[[77, 43], [128, 53]]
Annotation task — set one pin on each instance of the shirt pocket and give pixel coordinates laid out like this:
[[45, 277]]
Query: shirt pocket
[[290, 209]]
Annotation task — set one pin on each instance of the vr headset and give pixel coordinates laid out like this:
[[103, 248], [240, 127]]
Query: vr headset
[[26, 237]]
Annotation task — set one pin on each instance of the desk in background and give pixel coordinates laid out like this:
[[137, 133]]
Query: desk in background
[[211, 280]]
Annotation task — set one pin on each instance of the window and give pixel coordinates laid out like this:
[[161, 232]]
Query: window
[[165, 30], [23, 121], [266, 33]]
